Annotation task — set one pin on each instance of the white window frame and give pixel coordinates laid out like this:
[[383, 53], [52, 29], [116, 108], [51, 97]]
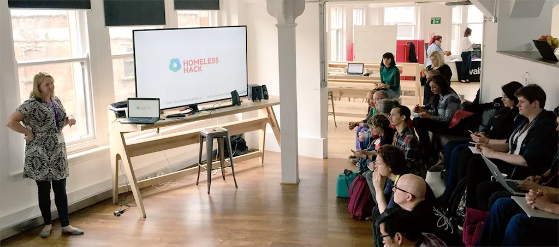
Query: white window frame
[[414, 25], [79, 31], [363, 16], [341, 33], [463, 25], [213, 15]]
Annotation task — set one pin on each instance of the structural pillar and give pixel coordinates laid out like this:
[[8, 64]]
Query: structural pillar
[[285, 11]]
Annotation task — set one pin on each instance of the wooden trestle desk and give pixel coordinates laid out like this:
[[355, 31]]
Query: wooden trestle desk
[[121, 149]]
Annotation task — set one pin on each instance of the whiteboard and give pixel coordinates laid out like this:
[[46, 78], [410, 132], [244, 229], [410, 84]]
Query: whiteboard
[[371, 42]]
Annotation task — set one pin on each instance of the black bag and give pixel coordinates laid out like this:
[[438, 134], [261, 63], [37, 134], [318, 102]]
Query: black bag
[[456, 210], [239, 146]]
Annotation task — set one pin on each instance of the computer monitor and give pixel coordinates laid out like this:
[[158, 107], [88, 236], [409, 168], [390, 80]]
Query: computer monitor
[[143, 107]]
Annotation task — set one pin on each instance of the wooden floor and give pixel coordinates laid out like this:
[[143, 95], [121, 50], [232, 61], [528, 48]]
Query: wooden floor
[[260, 213]]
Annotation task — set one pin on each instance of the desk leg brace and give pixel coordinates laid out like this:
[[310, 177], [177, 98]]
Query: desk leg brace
[[131, 178]]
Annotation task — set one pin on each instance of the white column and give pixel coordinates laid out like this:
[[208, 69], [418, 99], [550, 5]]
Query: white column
[[285, 11]]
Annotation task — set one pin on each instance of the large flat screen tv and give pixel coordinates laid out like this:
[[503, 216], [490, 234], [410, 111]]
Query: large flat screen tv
[[189, 66]]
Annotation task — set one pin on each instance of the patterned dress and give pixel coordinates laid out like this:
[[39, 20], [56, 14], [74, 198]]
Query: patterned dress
[[45, 155]]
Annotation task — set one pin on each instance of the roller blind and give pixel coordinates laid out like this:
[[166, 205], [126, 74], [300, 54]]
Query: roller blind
[[50, 4], [197, 4], [134, 12]]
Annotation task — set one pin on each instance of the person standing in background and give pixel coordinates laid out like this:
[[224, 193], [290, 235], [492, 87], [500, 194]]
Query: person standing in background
[[466, 46], [435, 45], [46, 160]]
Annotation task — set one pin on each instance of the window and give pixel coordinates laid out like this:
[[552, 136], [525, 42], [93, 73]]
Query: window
[[358, 17], [404, 18], [462, 18], [193, 18], [456, 29], [475, 22], [123, 53], [123, 60], [55, 41], [336, 34]]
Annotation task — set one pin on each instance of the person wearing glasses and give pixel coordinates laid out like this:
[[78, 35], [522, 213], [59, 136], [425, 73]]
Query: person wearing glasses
[[399, 228], [46, 162], [412, 194]]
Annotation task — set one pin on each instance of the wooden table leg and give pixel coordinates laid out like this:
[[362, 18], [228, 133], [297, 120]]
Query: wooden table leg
[[274, 124], [132, 179]]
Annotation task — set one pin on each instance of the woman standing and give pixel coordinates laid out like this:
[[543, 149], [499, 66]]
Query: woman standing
[[389, 76], [435, 45], [46, 161], [437, 63], [466, 47]]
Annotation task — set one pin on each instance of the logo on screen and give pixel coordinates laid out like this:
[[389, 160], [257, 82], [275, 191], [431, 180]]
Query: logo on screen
[[175, 64], [143, 108]]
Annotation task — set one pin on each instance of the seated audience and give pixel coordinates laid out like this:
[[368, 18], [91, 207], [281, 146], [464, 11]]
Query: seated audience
[[501, 126], [508, 224], [437, 64], [405, 138], [383, 107], [436, 115], [529, 150], [380, 128], [399, 228], [372, 100], [413, 194], [489, 191], [389, 76]]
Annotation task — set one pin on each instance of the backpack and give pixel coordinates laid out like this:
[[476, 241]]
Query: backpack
[[238, 144], [344, 180], [360, 199], [456, 210]]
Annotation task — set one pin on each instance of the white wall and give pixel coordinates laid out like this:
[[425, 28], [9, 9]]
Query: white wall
[[555, 21], [499, 69], [263, 69], [428, 10], [514, 33]]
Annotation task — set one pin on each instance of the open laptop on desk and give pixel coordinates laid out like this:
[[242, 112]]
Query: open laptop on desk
[[509, 184], [355, 69], [546, 51], [142, 111]]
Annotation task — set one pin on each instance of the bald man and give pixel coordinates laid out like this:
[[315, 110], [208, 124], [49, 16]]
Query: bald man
[[410, 193]]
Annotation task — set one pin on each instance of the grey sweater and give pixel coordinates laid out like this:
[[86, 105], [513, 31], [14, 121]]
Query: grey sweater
[[448, 105]]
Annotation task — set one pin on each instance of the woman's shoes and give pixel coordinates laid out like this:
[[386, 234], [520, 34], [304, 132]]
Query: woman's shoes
[[73, 231], [45, 233]]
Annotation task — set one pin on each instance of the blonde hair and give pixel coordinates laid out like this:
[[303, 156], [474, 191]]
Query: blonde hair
[[37, 80], [439, 57]]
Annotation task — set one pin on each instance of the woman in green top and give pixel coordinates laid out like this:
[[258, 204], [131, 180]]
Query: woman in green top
[[389, 76]]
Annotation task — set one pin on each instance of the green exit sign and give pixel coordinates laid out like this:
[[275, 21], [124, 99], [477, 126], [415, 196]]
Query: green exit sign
[[435, 20]]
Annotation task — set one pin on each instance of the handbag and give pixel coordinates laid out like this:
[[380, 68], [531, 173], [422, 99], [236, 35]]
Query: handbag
[[458, 116]]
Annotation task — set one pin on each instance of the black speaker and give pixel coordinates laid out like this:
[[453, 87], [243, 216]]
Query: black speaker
[[264, 92], [235, 98], [254, 92]]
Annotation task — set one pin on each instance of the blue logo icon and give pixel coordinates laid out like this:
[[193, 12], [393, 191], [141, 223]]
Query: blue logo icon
[[175, 65], [138, 107]]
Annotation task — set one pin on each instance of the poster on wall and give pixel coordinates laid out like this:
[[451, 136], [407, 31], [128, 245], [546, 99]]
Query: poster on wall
[[371, 42]]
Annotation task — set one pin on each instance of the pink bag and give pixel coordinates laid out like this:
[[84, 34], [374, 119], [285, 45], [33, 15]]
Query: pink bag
[[473, 225], [360, 199]]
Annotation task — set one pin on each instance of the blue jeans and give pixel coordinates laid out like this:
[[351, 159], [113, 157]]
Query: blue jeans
[[508, 225], [60, 199], [452, 151]]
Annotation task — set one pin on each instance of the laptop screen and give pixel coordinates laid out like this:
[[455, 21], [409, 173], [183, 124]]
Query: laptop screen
[[355, 68], [138, 107]]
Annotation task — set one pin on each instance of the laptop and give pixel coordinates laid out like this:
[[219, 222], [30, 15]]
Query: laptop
[[142, 111], [521, 201], [509, 184], [355, 68], [546, 51]]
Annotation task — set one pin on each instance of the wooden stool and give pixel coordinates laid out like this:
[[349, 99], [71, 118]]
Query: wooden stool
[[210, 134]]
